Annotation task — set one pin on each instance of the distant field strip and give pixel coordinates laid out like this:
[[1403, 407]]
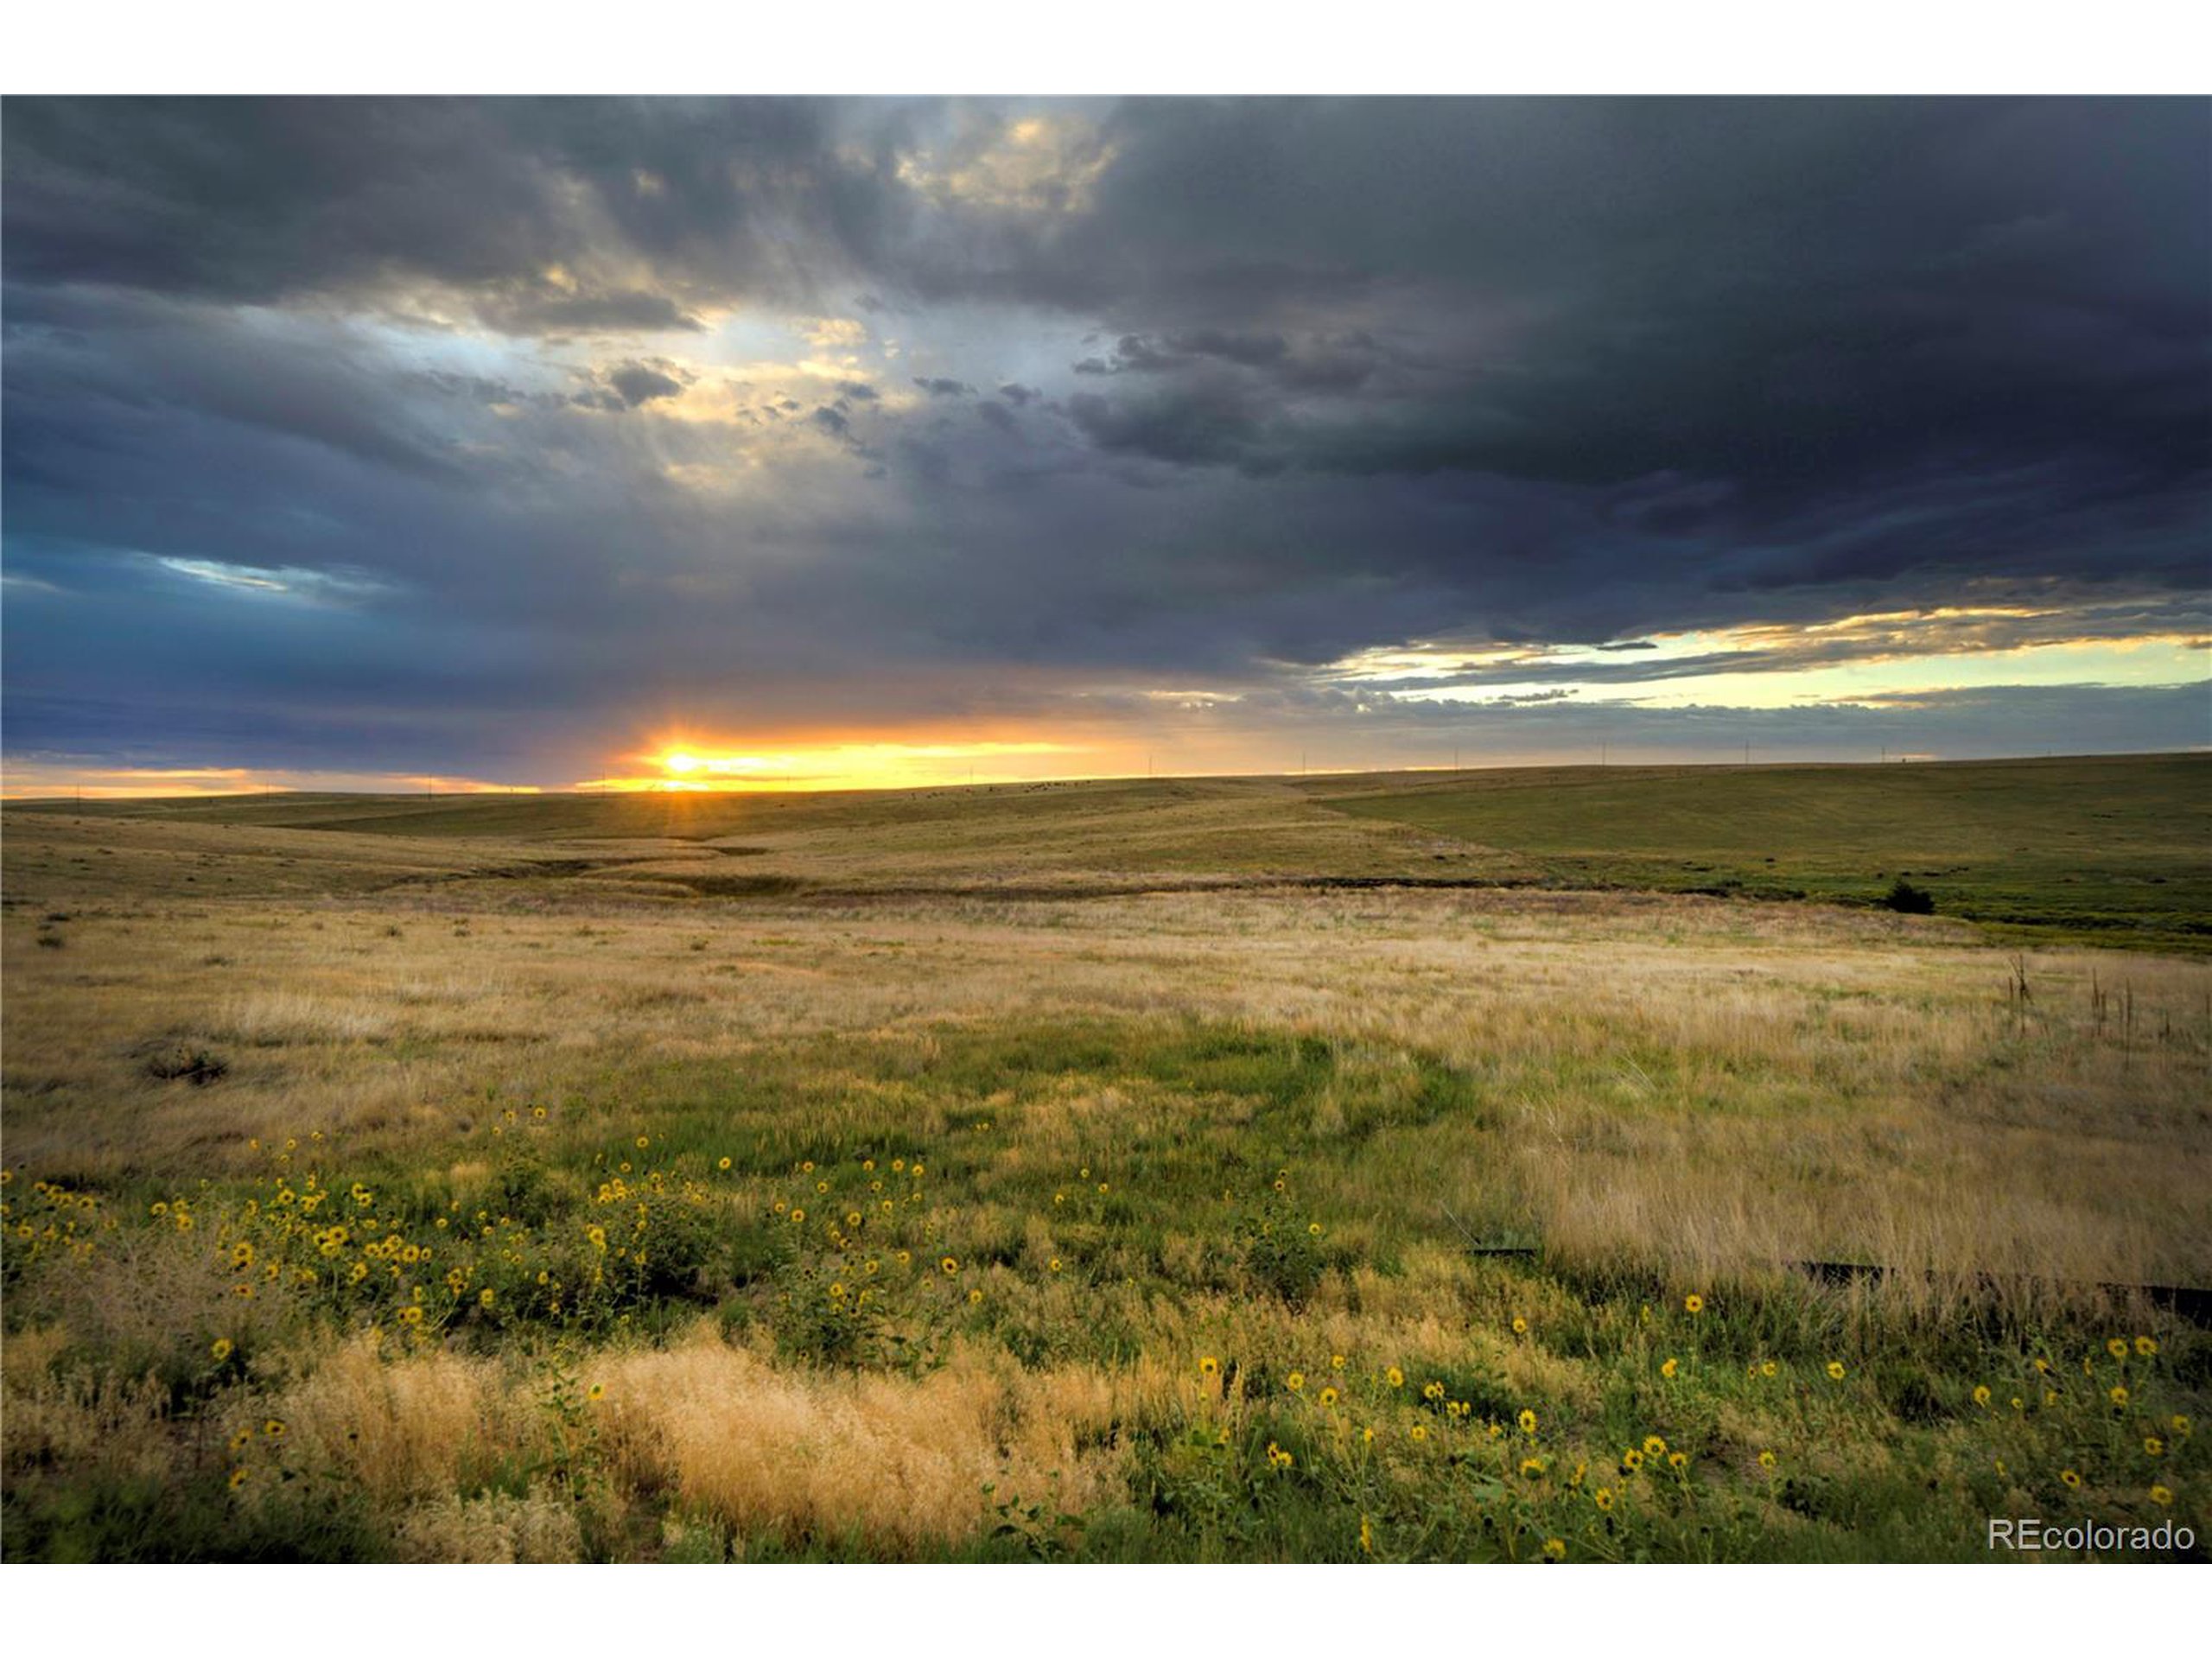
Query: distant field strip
[[2118, 850], [2112, 850]]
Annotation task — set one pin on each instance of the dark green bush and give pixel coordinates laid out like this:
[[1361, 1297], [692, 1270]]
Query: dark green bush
[[1909, 900]]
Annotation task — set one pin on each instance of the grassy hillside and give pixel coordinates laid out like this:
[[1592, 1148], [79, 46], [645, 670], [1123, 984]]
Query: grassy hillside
[[1094, 838], [2111, 850], [2115, 849]]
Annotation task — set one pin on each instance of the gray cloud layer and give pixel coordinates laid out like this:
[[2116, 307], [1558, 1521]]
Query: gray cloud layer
[[1165, 392]]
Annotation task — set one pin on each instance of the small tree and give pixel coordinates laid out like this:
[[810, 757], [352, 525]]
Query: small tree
[[1909, 900]]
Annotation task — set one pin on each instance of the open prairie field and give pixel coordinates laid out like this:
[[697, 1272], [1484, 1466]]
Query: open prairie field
[[2107, 849], [1479, 1166]]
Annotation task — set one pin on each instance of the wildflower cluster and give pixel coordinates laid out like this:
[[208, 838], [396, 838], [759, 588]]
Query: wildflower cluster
[[296, 1241], [1282, 1246], [48, 1219], [2099, 1438], [861, 1261]]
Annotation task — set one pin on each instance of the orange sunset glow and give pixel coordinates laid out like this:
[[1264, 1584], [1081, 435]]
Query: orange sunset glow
[[696, 764]]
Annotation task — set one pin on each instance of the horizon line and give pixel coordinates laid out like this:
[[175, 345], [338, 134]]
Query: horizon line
[[681, 790]]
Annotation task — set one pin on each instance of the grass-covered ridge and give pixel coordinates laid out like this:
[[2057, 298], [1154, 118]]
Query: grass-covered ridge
[[2111, 848], [2107, 849]]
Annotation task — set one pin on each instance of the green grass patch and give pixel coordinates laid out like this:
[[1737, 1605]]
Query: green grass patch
[[2107, 850], [1084, 1193]]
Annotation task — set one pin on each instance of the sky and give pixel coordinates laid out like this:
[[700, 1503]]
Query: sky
[[787, 443]]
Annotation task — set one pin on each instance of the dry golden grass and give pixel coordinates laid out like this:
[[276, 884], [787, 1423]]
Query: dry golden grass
[[494, 1526], [108, 1425], [1695, 1088], [897, 1463], [1714, 1085], [405, 1432]]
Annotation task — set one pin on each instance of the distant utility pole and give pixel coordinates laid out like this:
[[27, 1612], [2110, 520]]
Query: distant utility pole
[[1301, 763], [1747, 752], [1455, 756], [1604, 754]]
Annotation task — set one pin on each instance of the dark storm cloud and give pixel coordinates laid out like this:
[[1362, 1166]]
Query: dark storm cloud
[[640, 382], [1294, 378], [619, 387], [523, 204], [930, 462], [91, 366], [519, 309], [1779, 308], [1200, 422], [1337, 363]]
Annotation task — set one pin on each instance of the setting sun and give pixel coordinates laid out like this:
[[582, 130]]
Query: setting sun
[[692, 765]]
